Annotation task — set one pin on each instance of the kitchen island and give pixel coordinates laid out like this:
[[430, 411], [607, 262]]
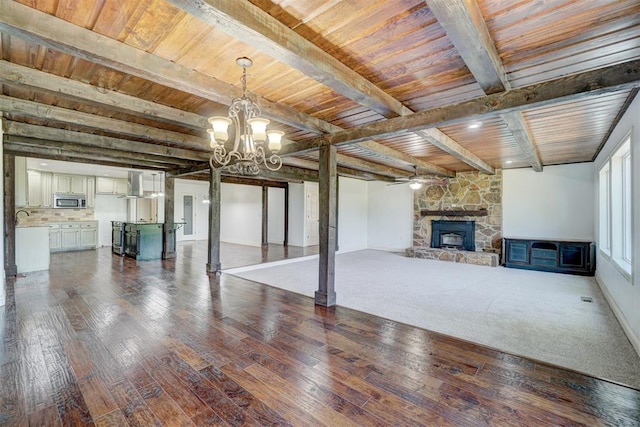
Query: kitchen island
[[143, 241]]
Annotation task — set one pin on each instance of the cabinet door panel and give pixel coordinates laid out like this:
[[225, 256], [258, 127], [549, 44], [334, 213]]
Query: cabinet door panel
[[573, 256], [518, 252]]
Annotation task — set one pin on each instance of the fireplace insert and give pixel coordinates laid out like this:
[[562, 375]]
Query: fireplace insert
[[459, 235]]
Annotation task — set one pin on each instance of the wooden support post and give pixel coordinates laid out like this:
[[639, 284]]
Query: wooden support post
[[325, 295], [10, 268], [286, 216], [265, 215], [169, 231], [214, 266]]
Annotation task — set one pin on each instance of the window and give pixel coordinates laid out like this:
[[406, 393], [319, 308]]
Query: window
[[604, 214], [619, 211]]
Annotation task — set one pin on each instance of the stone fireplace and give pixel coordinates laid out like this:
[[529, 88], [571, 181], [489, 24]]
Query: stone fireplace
[[468, 197]]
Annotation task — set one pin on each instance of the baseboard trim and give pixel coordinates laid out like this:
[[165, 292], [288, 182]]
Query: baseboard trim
[[635, 341]]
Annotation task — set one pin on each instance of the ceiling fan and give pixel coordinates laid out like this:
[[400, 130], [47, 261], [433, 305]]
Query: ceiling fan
[[417, 181]]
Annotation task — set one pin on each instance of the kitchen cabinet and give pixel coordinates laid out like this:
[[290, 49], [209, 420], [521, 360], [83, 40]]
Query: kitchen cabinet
[[69, 236], [72, 236], [88, 235], [69, 184], [116, 186], [91, 191], [31, 249], [34, 188], [54, 237], [46, 180], [39, 191]]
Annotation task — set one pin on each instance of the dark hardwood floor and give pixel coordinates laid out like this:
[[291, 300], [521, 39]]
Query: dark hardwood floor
[[104, 340]]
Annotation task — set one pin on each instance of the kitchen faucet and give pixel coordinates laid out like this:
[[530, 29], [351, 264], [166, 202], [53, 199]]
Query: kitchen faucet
[[21, 210]]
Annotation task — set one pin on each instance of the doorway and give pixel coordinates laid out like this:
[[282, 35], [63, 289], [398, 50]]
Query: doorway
[[188, 217], [312, 215]]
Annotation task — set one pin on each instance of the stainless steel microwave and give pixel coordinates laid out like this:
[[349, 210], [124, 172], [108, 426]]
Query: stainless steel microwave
[[69, 201]]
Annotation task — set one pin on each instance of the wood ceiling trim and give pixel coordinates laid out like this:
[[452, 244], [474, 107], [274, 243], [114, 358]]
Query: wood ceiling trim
[[246, 22], [617, 77], [38, 27], [242, 20], [466, 28]]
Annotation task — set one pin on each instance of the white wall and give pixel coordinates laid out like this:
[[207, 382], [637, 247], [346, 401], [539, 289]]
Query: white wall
[[390, 216], [241, 214], [275, 213], [296, 214], [352, 214], [622, 292], [107, 209], [557, 203]]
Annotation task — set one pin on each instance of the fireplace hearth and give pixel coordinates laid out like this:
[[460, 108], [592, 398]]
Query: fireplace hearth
[[458, 235]]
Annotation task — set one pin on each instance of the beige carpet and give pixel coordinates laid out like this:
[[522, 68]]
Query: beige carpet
[[529, 313]]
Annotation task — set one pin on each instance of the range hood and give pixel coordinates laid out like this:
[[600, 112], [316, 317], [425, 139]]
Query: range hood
[[134, 185]]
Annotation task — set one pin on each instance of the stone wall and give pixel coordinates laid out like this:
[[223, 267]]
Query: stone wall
[[467, 191]]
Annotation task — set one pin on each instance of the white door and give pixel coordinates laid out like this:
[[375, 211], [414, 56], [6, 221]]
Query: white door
[[187, 215], [312, 209]]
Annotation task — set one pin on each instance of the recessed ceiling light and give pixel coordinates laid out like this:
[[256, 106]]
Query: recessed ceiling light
[[509, 162], [475, 125], [43, 164]]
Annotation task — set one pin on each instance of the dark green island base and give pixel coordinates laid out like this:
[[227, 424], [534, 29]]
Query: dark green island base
[[143, 241]]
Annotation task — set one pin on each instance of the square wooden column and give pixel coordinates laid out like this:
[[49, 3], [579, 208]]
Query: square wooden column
[[265, 215], [213, 265], [169, 232], [325, 295], [10, 268]]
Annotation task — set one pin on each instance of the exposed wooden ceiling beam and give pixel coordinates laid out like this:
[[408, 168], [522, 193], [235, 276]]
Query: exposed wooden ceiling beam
[[448, 145], [423, 167], [617, 77], [89, 139], [517, 125], [98, 152], [42, 111], [366, 166], [31, 24], [32, 148], [465, 26], [25, 77]]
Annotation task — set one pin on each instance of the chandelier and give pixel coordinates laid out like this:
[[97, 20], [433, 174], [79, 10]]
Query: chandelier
[[250, 135]]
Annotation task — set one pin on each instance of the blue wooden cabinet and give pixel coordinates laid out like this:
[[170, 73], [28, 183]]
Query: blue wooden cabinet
[[559, 256]]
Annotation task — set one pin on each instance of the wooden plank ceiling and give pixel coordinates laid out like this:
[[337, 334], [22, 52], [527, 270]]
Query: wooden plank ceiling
[[393, 83]]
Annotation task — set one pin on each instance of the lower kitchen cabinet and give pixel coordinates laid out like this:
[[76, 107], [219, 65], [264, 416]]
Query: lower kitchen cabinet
[[73, 236], [143, 241]]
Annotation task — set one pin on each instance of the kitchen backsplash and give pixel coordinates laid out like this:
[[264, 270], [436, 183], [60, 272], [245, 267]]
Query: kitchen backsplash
[[38, 216]]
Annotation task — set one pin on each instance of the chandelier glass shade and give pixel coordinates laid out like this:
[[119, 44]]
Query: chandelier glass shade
[[251, 145]]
